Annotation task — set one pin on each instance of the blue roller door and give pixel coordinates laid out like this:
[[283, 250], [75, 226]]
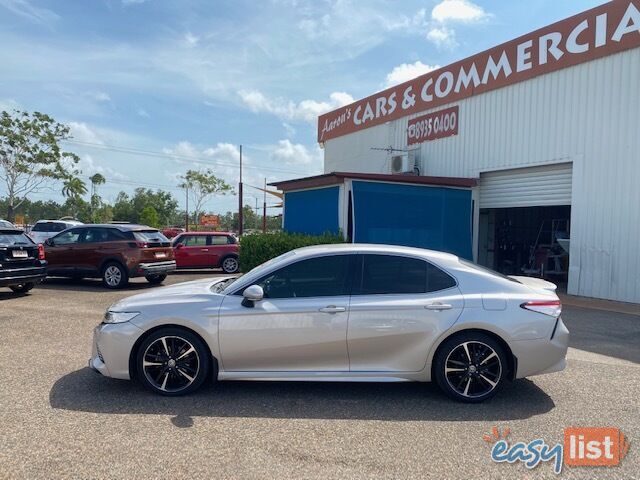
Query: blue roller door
[[312, 211], [437, 218]]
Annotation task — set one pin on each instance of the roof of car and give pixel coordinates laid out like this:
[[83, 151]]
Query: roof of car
[[73, 222], [125, 227], [206, 233], [374, 248]]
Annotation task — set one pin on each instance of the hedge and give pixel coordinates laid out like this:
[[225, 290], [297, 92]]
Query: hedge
[[259, 247]]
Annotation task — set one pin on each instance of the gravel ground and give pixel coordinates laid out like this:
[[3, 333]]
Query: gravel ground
[[58, 419]]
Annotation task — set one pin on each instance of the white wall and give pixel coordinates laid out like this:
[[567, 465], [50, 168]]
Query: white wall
[[589, 115]]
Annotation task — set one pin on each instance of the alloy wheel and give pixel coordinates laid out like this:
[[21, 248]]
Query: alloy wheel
[[112, 276], [171, 364], [473, 369], [230, 265]]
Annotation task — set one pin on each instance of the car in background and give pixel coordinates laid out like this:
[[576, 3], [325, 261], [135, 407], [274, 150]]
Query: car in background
[[6, 224], [44, 229], [114, 253], [22, 263], [207, 250], [342, 312], [172, 232]]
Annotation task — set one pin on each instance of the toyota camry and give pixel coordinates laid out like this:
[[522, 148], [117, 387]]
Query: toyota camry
[[346, 312]]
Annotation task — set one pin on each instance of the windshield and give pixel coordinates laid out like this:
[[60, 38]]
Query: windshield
[[49, 227], [14, 238]]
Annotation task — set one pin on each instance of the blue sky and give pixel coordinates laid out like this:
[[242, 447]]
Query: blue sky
[[151, 88]]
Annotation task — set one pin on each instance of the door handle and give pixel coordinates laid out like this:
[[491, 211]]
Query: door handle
[[204, 250], [332, 309], [438, 306]]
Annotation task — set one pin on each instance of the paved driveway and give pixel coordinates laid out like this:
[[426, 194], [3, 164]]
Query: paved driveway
[[59, 419]]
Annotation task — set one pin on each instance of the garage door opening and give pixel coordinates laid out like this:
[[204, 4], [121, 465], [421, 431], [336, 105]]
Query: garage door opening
[[530, 241]]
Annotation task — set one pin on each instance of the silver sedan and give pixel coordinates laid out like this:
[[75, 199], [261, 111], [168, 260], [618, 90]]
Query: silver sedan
[[350, 312]]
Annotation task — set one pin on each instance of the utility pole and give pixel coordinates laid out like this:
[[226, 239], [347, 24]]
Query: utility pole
[[264, 208], [186, 208], [240, 219]]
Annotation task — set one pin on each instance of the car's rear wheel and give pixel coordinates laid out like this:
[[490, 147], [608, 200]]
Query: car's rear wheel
[[172, 362], [470, 367], [23, 287], [230, 265], [114, 275], [156, 279]]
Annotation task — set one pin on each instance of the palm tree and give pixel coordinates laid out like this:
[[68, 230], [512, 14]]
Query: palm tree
[[74, 188], [96, 179]]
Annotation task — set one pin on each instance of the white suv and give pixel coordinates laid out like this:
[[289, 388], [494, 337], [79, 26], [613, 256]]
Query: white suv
[[44, 229]]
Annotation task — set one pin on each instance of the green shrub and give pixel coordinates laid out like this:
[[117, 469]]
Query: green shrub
[[260, 247]]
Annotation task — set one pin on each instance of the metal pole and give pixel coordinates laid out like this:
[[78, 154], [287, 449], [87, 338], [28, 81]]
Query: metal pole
[[186, 209], [240, 216], [264, 208]]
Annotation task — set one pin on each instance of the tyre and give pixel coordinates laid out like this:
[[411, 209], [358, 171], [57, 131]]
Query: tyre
[[114, 275], [172, 362], [22, 288], [156, 279], [230, 265], [470, 367]]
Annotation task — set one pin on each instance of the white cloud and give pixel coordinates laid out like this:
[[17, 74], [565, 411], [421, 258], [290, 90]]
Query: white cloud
[[82, 132], [9, 104], [304, 111], [290, 153], [442, 36], [142, 113], [26, 10], [458, 11], [126, 3], [408, 71], [89, 167], [102, 97], [191, 39]]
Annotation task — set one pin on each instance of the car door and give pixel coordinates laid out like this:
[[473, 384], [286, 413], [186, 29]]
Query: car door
[[218, 249], [62, 255], [300, 325], [195, 251], [399, 306], [90, 250]]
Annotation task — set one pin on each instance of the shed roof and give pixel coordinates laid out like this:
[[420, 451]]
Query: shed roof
[[337, 178]]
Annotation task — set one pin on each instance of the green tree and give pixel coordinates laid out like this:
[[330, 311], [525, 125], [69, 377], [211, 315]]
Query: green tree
[[129, 209], [30, 155], [96, 202], [149, 216], [202, 184], [74, 188]]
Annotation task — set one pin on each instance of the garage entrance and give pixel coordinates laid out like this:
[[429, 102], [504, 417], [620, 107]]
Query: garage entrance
[[525, 221]]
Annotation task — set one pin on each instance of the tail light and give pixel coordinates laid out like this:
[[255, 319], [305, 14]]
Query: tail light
[[138, 244], [40, 251], [553, 308]]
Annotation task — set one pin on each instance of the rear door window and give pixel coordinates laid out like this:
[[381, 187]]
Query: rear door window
[[392, 274]]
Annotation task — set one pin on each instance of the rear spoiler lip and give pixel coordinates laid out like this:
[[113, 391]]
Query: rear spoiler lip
[[535, 283]]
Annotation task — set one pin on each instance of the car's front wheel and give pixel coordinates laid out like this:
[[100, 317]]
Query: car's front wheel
[[23, 287], [470, 367], [172, 362]]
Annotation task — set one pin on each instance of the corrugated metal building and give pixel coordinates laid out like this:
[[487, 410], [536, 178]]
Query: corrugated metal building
[[550, 125]]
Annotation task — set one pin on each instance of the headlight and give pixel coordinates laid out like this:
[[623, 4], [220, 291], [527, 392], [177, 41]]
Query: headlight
[[119, 317]]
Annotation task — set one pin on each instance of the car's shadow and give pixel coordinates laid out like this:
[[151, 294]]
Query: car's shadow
[[90, 285], [87, 391]]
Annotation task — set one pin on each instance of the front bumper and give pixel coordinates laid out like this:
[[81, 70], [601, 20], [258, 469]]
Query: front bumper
[[154, 268], [543, 355], [18, 276], [111, 348]]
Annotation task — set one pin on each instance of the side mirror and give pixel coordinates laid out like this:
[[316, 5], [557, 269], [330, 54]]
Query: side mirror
[[252, 294], [179, 245], [49, 242]]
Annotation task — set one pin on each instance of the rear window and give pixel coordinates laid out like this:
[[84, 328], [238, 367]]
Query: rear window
[[475, 266], [49, 227], [150, 236], [14, 238]]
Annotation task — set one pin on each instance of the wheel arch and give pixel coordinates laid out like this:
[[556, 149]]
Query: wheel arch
[[512, 361], [145, 335], [108, 260]]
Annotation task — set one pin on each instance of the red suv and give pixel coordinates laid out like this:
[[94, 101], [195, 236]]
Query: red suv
[[207, 250], [114, 253]]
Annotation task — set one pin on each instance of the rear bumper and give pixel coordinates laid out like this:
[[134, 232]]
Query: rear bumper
[[544, 355], [18, 276], [156, 268]]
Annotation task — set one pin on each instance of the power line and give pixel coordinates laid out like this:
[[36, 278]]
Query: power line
[[198, 160]]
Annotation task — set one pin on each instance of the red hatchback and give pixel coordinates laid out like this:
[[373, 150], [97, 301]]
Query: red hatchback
[[207, 250]]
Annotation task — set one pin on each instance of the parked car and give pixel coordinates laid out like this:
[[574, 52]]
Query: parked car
[[6, 224], [22, 263], [114, 253], [340, 313], [207, 250], [44, 229], [172, 232]]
